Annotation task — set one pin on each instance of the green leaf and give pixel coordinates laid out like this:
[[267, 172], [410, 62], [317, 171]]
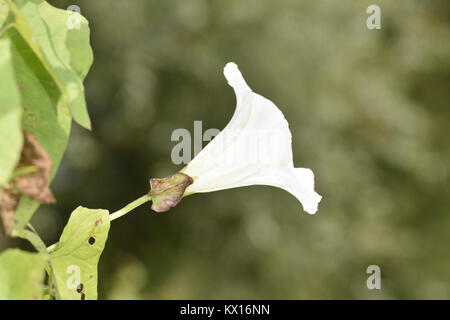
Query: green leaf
[[64, 51], [10, 115], [50, 62], [75, 258], [21, 275], [44, 115], [33, 237], [4, 10]]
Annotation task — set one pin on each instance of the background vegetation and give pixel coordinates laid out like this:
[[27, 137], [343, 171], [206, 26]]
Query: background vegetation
[[369, 113]]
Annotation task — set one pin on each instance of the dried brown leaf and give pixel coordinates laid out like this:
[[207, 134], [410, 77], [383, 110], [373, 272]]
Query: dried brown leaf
[[8, 205], [33, 185]]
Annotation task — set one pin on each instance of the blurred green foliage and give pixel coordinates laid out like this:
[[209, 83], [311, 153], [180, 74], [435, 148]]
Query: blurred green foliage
[[369, 113]]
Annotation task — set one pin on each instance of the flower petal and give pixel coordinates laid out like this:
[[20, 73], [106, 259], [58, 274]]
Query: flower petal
[[297, 181], [255, 148], [257, 132], [213, 150]]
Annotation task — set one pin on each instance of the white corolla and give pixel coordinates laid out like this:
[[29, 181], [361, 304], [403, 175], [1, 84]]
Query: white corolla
[[255, 148]]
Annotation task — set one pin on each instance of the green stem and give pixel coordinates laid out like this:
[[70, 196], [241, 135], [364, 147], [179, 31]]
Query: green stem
[[23, 171], [52, 247], [136, 203], [32, 236], [3, 30], [113, 216]]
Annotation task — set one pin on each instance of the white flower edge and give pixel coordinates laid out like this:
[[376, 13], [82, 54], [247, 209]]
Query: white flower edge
[[261, 120]]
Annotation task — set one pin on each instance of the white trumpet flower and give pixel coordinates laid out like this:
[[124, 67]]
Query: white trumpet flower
[[255, 148]]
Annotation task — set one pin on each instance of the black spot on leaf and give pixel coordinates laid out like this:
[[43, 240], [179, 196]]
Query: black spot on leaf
[[91, 240], [79, 287]]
